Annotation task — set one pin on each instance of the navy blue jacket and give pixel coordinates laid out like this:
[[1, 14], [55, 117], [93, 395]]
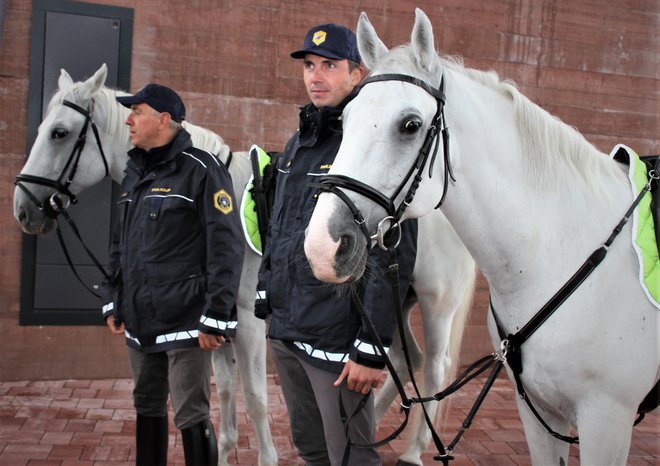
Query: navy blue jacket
[[316, 319], [177, 249]]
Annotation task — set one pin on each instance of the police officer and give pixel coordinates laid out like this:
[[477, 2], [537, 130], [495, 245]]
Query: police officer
[[323, 353], [175, 260]]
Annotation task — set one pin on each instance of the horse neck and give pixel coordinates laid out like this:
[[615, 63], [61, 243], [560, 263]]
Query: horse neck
[[517, 211]]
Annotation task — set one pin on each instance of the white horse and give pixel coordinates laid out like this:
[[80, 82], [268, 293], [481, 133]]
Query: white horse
[[55, 141], [531, 200], [443, 280]]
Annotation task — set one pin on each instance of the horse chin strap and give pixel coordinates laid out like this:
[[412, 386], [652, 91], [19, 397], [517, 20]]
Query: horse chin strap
[[63, 196], [438, 129]]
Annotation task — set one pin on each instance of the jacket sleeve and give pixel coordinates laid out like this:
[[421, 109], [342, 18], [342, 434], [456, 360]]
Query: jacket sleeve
[[108, 288], [378, 300], [224, 252]]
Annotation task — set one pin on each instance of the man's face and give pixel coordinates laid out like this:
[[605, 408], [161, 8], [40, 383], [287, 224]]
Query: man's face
[[328, 82], [145, 126]]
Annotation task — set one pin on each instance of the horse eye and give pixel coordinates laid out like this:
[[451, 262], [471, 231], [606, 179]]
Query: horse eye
[[59, 133], [411, 126]]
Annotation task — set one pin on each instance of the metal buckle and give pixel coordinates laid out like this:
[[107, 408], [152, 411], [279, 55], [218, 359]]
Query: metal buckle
[[381, 232], [59, 202], [500, 355]]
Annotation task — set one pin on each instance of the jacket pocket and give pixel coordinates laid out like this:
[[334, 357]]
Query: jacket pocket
[[177, 292]]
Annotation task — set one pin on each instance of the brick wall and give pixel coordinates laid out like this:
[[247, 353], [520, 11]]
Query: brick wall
[[592, 63]]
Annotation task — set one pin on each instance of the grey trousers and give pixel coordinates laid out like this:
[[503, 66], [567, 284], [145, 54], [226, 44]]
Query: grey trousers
[[313, 406], [185, 374]]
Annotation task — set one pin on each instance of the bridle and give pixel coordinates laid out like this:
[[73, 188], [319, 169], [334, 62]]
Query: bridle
[[56, 204], [59, 201], [333, 183]]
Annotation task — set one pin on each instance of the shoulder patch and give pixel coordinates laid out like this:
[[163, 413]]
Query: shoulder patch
[[223, 201]]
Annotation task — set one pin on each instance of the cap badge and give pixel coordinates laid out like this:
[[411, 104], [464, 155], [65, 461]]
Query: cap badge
[[319, 37]]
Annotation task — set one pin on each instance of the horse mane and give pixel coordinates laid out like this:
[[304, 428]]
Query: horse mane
[[208, 140], [563, 147]]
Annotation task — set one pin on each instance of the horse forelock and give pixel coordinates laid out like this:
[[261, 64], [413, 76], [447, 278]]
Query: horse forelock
[[402, 60]]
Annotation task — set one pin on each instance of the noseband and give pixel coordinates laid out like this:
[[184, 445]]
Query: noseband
[[56, 204], [333, 183]]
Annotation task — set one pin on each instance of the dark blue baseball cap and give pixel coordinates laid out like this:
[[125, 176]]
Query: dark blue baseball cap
[[330, 41], [160, 98]]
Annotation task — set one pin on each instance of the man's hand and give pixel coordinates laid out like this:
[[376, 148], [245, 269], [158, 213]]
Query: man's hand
[[116, 328], [359, 378], [208, 341]]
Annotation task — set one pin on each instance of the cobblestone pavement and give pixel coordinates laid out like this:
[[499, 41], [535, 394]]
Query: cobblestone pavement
[[92, 423]]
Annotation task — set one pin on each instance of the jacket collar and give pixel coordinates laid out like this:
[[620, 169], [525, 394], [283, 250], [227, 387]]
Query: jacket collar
[[145, 160], [315, 122]]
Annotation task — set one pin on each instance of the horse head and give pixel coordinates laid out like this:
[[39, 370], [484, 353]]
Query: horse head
[[61, 164], [375, 172]]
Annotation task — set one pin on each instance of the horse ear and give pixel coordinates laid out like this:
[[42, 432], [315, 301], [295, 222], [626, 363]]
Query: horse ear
[[93, 84], [99, 77], [422, 40], [370, 46], [65, 80]]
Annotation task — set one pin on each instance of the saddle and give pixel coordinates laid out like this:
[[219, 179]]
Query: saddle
[[258, 197], [651, 161], [652, 400]]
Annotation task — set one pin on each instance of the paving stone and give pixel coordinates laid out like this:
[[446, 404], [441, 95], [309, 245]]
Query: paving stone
[[92, 423]]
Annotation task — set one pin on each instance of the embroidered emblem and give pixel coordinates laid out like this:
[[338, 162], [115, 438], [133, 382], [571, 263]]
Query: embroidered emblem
[[326, 166], [161, 190], [222, 201], [319, 37]]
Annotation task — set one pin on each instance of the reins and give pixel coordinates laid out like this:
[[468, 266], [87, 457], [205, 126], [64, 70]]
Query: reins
[[510, 345], [509, 352], [495, 360], [55, 205]]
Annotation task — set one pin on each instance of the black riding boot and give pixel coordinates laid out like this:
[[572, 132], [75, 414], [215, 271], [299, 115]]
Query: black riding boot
[[151, 441], [200, 447]]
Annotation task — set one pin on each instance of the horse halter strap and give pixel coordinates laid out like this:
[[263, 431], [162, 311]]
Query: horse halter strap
[[62, 183], [332, 183]]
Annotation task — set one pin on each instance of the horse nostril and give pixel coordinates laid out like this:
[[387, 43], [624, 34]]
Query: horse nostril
[[22, 215], [344, 245]]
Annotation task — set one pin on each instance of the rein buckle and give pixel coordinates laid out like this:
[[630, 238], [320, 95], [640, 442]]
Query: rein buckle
[[381, 235]]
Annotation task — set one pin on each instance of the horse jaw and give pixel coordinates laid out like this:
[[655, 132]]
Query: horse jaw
[[335, 249]]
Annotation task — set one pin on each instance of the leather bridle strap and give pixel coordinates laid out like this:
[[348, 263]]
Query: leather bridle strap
[[63, 182], [406, 402], [55, 206], [428, 150]]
